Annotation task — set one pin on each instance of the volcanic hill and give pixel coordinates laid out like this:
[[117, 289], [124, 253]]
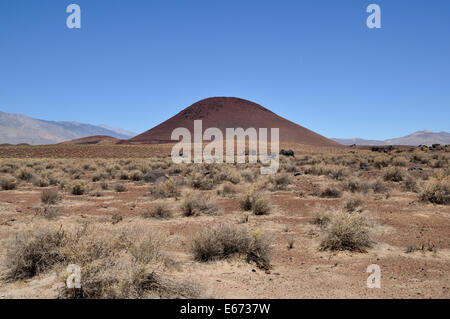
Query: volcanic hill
[[230, 112]]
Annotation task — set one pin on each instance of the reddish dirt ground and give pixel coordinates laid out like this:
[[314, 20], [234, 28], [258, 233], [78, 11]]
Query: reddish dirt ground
[[304, 271]]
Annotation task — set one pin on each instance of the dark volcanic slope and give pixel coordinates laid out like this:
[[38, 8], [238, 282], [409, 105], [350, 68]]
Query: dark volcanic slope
[[229, 112]]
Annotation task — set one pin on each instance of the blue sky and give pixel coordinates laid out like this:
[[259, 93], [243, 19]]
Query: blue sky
[[133, 64]]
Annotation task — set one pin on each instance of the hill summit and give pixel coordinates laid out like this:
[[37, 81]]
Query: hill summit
[[230, 112]]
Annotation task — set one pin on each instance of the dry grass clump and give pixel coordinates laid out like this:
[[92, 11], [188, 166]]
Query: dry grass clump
[[355, 184], [50, 197], [120, 264], [248, 175], [227, 190], [8, 183], [25, 174], [223, 241], [40, 181], [136, 175], [393, 174], [100, 176], [33, 252], [260, 205], [256, 202], [436, 191], [321, 218], [346, 231], [120, 188], [353, 203], [50, 212], [234, 177], [399, 161], [195, 204], [159, 211], [280, 181], [378, 186], [78, 188], [104, 185], [410, 184], [331, 191], [167, 190], [336, 172], [201, 181]]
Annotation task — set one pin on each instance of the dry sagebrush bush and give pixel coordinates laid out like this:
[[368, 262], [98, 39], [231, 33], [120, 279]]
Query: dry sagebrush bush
[[255, 201], [353, 203], [167, 190], [436, 191], [78, 188], [280, 181], [120, 188], [50, 197], [393, 174], [378, 186], [159, 211], [346, 231], [195, 204], [34, 251], [25, 174], [226, 240], [355, 184], [201, 181], [8, 183], [120, 263], [331, 191], [227, 190], [410, 184]]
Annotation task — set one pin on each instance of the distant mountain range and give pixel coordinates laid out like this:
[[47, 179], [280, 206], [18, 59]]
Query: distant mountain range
[[18, 128], [418, 138]]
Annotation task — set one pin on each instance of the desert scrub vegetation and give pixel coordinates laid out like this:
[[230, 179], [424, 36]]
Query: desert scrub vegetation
[[8, 183], [280, 181], [25, 174], [336, 172], [436, 191], [195, 204], [120, 188], [255, 201], [346, 231], [353, 203], [169, 189], [158, 211], [410, 184], [119, 262], [78, 188], [227, 190], [50, 197], [33, 252], [201, 181], [330, 191], [223, 241], [355, 184], [393, 174]]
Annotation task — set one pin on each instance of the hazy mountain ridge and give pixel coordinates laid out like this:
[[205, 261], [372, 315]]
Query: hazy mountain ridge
[[19, 128], [425, 137]]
